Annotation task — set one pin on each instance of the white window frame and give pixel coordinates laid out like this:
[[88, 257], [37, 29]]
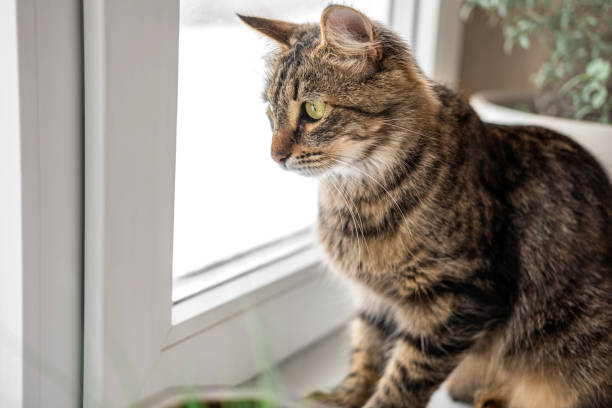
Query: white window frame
[[435, 33], [41, 203], [132, 349]]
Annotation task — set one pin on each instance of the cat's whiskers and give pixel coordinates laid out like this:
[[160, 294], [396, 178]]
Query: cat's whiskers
[[357, 226], [358, 214], [390, 166], [360, 227], [312, 167], [384, 166], [404, 218], [334, 157]]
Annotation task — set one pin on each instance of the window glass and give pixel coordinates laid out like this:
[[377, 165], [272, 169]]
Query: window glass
[[230, 197]]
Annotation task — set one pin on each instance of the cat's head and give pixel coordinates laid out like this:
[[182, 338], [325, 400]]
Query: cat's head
[[340, 92]]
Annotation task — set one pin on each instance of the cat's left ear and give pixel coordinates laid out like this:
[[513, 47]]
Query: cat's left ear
[[350, 32], [279, 31]]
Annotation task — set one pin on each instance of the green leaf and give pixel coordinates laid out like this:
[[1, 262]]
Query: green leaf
[[565, 19], [562, 45], [524, 41], [599, 97], [588, 90], [560, 71], [466, 11], [598, 69], [579, 65], [523, 25], [194, 403], [509, 31]]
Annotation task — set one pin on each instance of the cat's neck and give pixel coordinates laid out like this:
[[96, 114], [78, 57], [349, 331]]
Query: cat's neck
[[387, 168], [417, 153]]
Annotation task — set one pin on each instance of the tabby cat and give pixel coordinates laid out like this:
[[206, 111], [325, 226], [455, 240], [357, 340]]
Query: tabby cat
[[482, 253]]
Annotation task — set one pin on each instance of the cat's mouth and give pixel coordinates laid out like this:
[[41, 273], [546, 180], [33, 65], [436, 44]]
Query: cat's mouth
[[319, 163], [312, 164]]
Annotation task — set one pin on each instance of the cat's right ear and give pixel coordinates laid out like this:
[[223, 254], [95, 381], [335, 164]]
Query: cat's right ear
[[279, 31], [350, 32]]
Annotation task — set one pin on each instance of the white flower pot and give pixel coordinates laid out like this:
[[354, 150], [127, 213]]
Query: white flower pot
[[595, 137]]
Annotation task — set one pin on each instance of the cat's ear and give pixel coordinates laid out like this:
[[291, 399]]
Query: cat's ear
[[279, 31], [350, 32]]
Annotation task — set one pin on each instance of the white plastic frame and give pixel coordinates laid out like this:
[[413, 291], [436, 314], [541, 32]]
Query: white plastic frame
[[131, 348], [41, 203]]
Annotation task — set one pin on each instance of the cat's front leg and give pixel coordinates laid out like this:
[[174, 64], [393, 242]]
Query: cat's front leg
[[369, 334], [411, 376], [424, 355]]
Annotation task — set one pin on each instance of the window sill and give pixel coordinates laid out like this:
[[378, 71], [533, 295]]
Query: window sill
[[316, 367], [237, 296], [255, 261], [286, 306], [324, 364], [319, 366]]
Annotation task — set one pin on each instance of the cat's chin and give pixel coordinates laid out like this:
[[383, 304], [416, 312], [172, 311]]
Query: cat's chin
[[309, 172]]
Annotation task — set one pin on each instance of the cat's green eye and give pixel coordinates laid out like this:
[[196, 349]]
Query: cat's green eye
[[315, 109]]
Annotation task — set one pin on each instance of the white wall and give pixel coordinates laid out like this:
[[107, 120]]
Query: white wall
[[11, 370]]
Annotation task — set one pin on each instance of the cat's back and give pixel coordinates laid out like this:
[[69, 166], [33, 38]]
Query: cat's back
[[558, 201], [551, 183], [554, 196]]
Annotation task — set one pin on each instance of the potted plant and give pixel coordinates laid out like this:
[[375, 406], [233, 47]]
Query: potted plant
[[574, 85], [219, 397]]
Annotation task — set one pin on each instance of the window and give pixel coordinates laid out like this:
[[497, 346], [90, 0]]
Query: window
[[87, 253], [234, 209], [145, 332]]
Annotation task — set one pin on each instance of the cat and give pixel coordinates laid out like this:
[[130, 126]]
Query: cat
[[482, 253]]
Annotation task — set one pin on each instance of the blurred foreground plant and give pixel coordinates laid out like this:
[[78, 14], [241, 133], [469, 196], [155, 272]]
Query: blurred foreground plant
[[576, 81]]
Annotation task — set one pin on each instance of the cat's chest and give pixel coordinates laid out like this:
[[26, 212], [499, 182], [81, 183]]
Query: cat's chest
[[364, 239], [356, 253]]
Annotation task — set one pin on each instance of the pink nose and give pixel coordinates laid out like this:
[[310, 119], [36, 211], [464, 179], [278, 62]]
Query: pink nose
[[280, 157]]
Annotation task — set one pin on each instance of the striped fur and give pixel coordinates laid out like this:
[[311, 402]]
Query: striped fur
[[483, 253]]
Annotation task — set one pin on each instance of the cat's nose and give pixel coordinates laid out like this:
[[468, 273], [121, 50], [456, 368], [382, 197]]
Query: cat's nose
[[280, 156]]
